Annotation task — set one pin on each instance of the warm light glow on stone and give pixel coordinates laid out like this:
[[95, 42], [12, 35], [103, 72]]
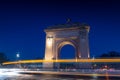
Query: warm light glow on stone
[[49, 42], [88, 56]]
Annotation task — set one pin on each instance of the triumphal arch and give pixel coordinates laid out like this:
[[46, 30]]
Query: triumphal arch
[[75, 34]]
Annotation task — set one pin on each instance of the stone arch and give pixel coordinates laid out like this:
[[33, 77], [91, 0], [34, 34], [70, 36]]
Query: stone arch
[[75, 34]]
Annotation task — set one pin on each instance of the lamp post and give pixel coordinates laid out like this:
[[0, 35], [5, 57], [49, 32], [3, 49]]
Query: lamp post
[[17, 56]]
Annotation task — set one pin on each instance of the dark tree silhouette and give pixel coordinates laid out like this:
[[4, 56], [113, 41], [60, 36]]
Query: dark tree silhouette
[[111, 54], [3, 57]]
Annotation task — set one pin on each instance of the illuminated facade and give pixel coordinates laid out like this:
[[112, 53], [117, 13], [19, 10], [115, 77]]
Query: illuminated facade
[[57, 36]]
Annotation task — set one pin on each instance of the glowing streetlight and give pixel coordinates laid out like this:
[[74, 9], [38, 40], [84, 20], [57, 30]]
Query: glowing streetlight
[[17, 55]]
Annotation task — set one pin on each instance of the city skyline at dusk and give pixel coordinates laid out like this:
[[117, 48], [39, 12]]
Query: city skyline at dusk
[[22, 24]]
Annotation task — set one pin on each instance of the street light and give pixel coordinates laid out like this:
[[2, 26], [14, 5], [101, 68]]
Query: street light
[[18, 55]]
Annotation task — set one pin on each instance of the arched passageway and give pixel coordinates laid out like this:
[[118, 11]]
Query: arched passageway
[[67, 52]]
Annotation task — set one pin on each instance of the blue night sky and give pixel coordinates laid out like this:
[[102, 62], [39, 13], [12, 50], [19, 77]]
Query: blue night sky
[[22, 24]]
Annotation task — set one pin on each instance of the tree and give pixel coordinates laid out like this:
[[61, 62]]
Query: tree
[[111, 54], [3, 57]]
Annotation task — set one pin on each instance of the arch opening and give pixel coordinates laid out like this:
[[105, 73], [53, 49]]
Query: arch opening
[[67, 52]]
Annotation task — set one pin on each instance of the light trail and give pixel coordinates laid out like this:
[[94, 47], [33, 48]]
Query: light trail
[[71, 73], [63, 61]]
